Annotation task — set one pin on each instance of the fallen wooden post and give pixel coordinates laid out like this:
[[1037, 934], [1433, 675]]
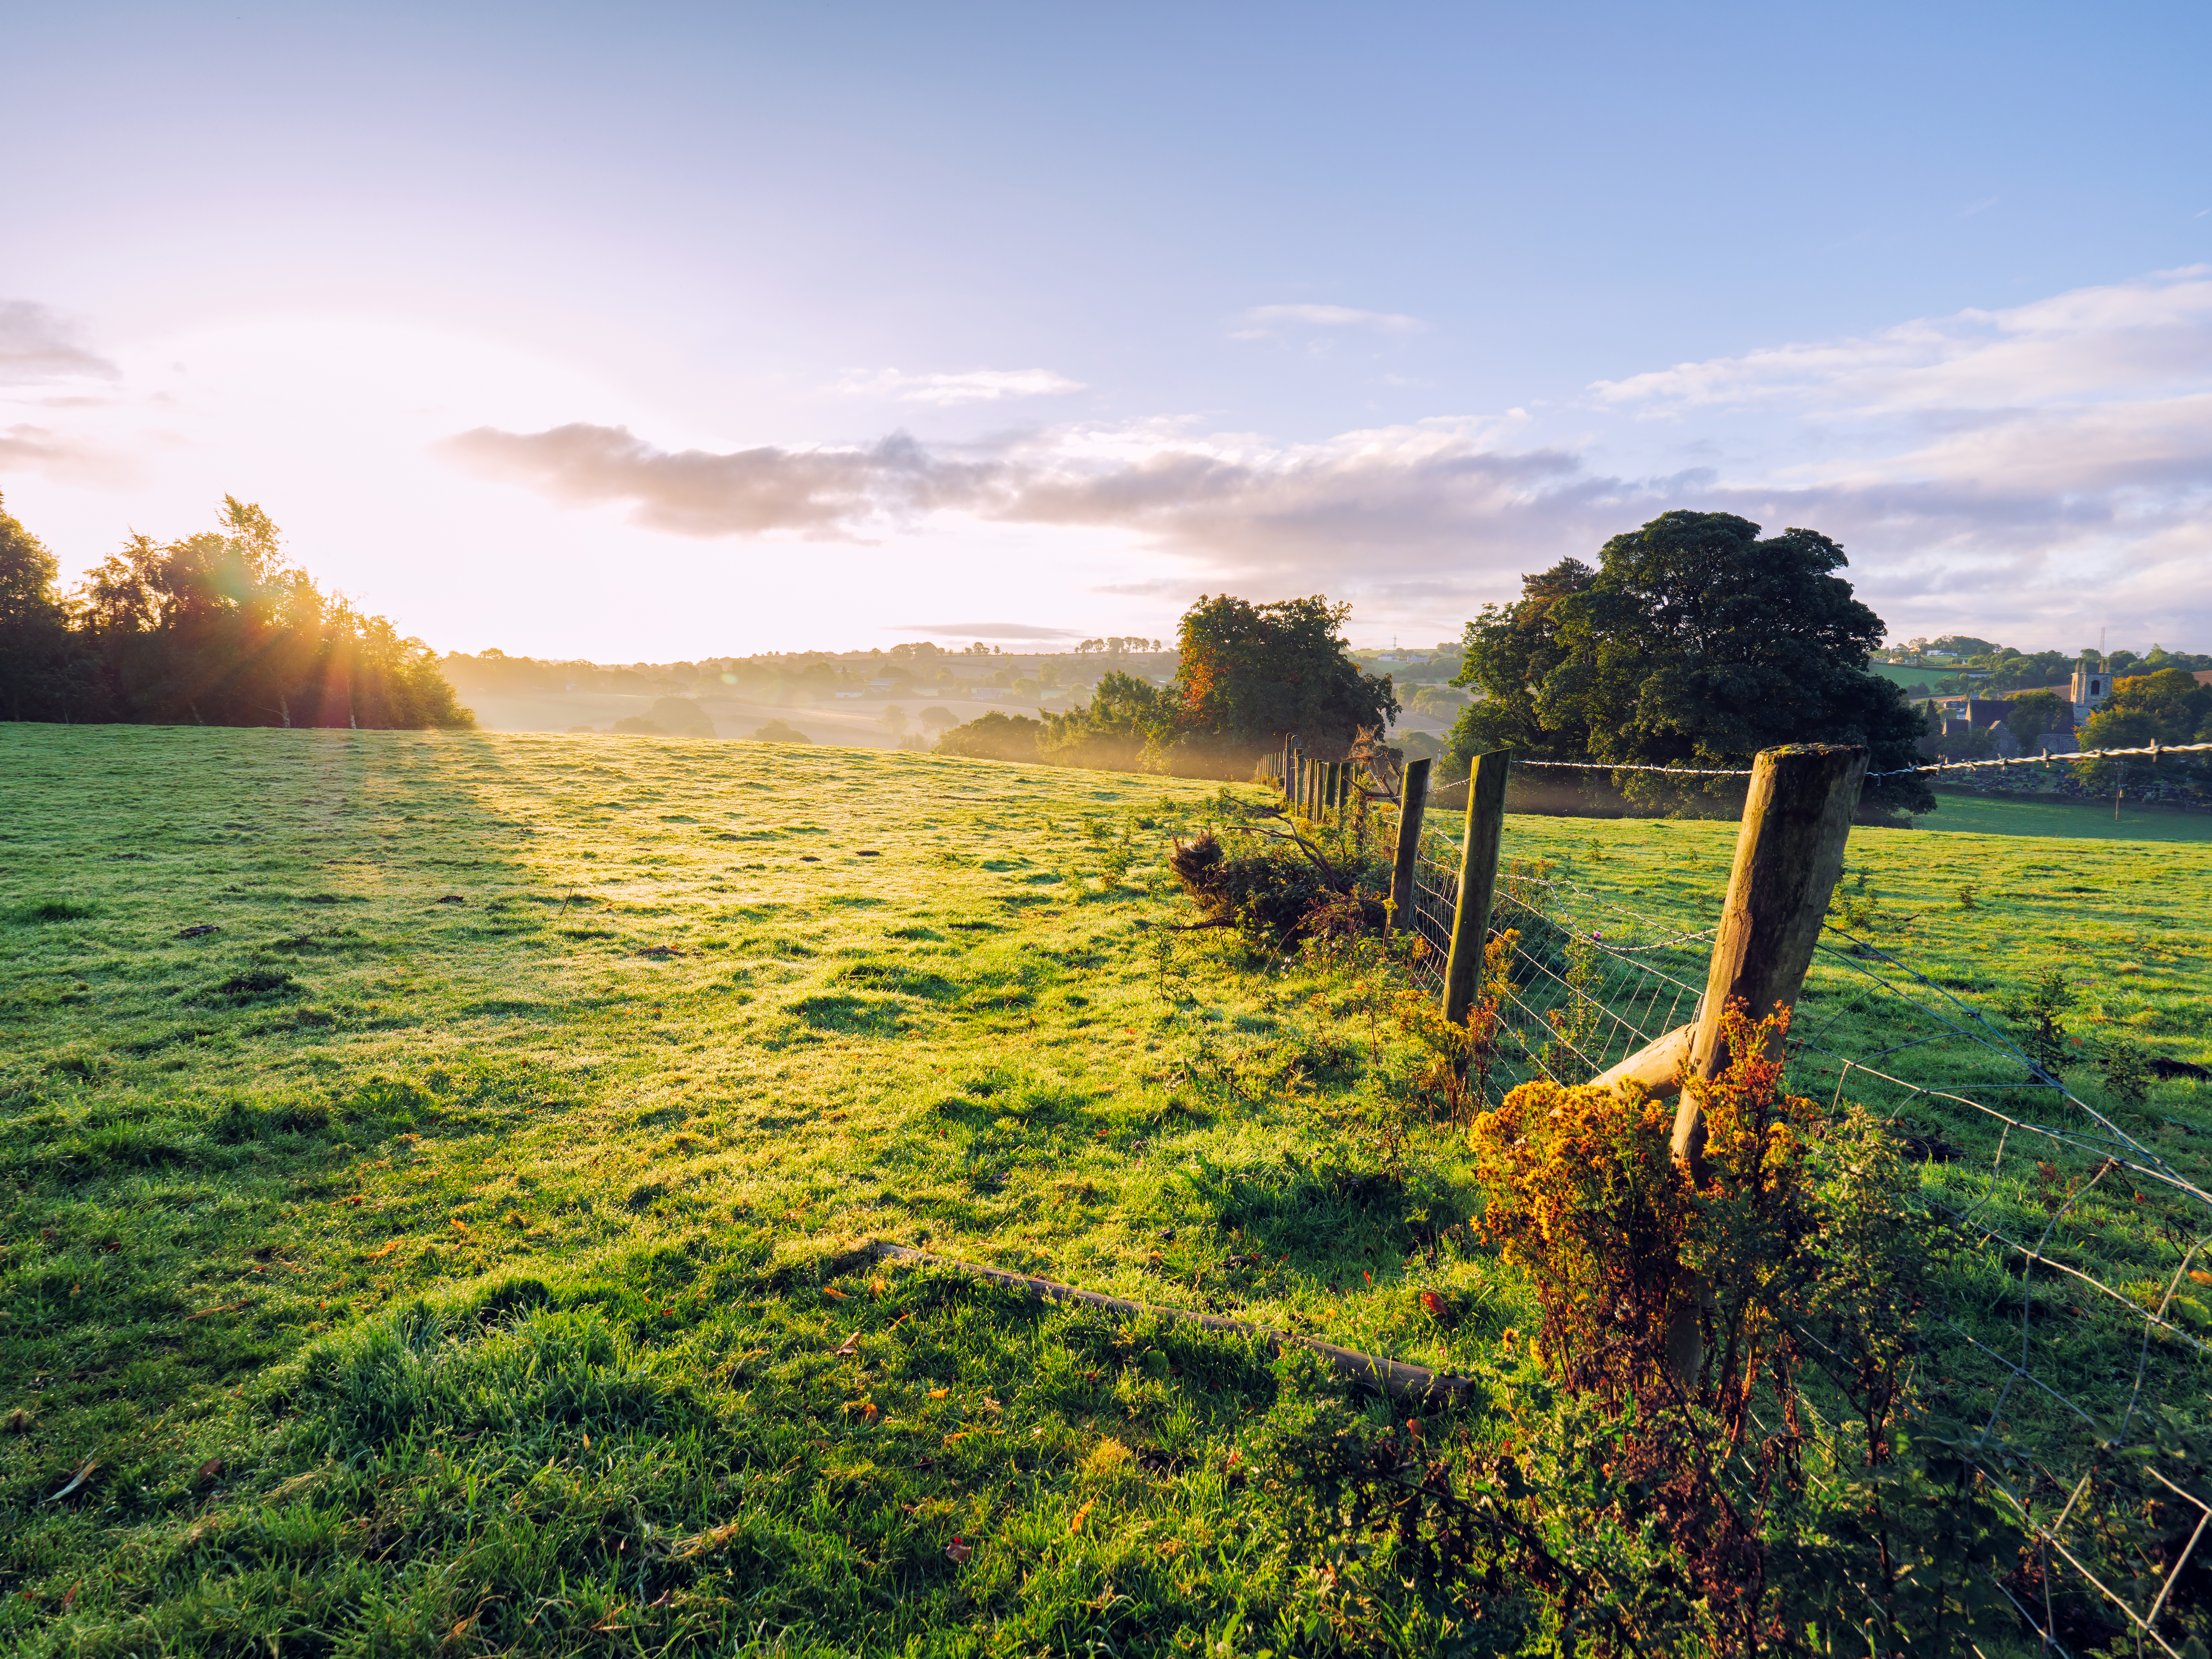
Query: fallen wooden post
[[1656, 1069]]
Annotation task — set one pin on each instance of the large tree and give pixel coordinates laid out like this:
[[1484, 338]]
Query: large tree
[[213, 630], [1249, 675], [1693, 643], [34, 625]]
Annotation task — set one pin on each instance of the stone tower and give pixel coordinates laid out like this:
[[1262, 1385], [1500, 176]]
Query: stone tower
[[2092, 686]]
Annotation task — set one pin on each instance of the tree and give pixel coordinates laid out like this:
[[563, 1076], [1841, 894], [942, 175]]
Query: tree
[[218, 630], [2168, 707], [781, 731], [994, 736], [1249, 675], [1692, 644], [936, 720], [2034, 713], [34, 625], [1125, 717], [893, 720]]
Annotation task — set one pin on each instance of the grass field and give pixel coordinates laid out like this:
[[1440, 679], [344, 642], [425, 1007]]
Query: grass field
[[453, 1248], [2062, 820]]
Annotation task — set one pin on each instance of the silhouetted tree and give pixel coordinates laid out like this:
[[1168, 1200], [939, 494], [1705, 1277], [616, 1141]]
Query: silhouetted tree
[[216, 630]]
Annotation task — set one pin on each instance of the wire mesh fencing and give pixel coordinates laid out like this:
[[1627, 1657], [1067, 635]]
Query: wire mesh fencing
[[2076, 1320]]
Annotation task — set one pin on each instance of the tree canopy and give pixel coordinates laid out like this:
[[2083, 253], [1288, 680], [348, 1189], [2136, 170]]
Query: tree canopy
[[213, 630], [1249, 675], [1124, 719], [1693, 643]]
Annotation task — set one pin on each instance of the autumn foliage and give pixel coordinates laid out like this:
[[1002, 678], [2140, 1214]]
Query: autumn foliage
[[1584, 1195]]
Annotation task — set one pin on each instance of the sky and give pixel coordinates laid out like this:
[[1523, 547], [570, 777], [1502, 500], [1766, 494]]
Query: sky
[[658, 331]]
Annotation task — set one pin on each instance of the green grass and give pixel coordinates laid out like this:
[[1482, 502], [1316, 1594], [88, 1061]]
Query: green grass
[[1958, 812], [421, 1275]]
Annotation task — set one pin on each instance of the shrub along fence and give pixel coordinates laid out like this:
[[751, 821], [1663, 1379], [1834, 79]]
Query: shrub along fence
[[2058, 1377]]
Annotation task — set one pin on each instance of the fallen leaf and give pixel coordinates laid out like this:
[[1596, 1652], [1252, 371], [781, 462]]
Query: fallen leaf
[[587, 1439], [2200, 1276], [356, 1199], [1434, 1305], [850, 1346], [211, 1468], [877, 1287], [832, 1291], [1081, 1514], [378, 1255], [959, 1550], [460, 1225], [939, 1393]]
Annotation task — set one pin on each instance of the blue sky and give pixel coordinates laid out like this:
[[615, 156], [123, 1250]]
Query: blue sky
[[659, 331]]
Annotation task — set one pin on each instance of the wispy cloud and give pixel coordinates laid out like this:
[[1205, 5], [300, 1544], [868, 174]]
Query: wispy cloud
[[37, 343], [977, 386], [1263, 321], [2116, 342], [984, 630]]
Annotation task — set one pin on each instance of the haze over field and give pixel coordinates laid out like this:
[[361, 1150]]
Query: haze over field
[[652, 333]]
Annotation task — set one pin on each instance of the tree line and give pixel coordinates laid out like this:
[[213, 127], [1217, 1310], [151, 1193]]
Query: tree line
[[213, 629], [1692, 642]]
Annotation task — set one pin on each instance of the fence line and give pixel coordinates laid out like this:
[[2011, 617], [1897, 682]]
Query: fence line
[[2078, 1347]]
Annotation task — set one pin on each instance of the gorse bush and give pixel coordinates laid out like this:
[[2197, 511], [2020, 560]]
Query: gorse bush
[[1745, 1322]]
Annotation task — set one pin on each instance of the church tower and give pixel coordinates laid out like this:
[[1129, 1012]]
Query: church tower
[[2092, 686]]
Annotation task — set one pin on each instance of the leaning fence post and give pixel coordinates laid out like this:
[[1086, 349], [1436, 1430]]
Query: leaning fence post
[[1788, 852], [1478, 881], [1412, 801]]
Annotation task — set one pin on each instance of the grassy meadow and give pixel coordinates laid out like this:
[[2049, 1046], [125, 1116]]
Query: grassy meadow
[[436, 1167]]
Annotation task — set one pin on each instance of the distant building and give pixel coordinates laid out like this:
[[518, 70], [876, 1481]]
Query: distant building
[[1972, 714], [2059, 743], [2091, 687]]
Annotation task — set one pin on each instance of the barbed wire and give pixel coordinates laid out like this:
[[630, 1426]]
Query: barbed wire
[[1625, 766], [2153, 750]]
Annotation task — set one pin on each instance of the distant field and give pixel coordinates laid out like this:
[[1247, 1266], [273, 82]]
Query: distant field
[[2065, 820], [1907, 677], [452, 1250]]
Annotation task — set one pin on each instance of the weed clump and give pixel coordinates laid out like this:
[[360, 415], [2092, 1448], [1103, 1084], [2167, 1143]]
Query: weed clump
[[1278, 889]]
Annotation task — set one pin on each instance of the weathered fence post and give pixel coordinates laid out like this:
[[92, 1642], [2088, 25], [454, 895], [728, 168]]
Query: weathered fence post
[[1788, 852], [1478, 881], [1412, 801]]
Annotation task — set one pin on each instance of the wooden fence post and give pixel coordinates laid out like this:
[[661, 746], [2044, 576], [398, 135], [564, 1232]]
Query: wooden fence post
[[1413, 802], [1478, 881], [1788, 852]]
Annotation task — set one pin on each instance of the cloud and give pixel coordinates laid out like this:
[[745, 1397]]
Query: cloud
[[2113, 343], [985, 630], [2030, 468], [39, 344], [818, 493], [979, 385], [1265, 321]]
